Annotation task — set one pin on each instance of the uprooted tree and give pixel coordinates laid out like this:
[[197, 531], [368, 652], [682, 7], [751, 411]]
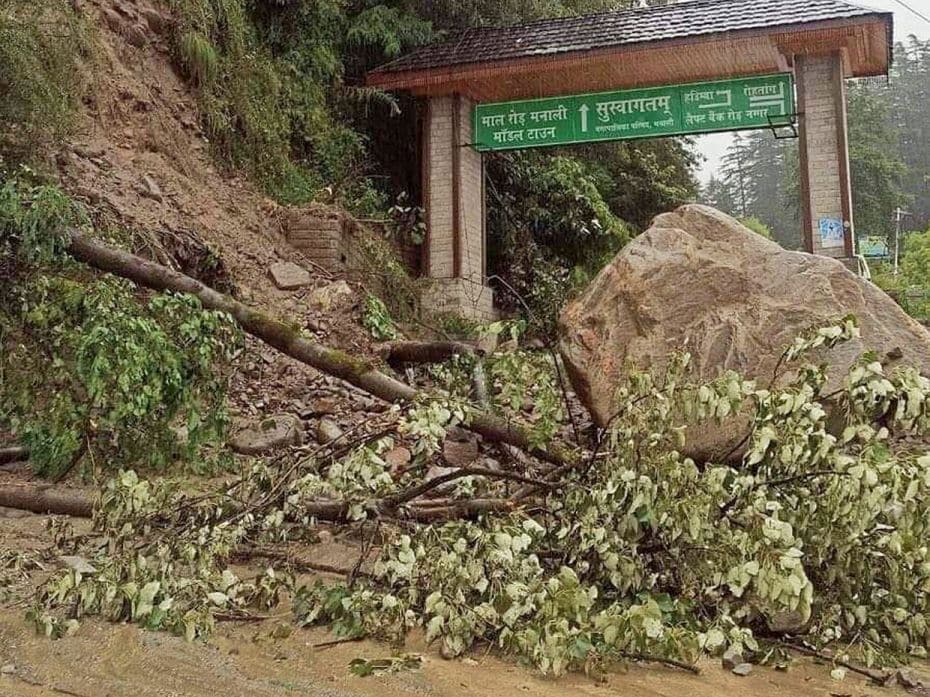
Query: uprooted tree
[[628, 549]]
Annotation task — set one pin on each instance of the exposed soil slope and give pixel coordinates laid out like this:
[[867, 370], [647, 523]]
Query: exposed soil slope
[[140, 161]]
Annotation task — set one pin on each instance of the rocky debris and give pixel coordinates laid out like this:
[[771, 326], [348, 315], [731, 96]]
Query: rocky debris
[[126, 26], [487, 342], [159, 23], [272, 433], [7, 669], [460, 448], [509, 346], [320, 406], [908, 679], [731, 658], [330, 296], [289, 276], [135, 34], [151, 189], [113, 20], [327, 431], [787, 622], [701, 282], [743, 669]]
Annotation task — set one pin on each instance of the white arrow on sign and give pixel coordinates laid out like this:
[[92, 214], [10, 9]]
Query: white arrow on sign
[[584, 109]]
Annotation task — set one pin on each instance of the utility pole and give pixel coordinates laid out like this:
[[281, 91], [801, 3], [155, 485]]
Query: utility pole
[[898, 215]]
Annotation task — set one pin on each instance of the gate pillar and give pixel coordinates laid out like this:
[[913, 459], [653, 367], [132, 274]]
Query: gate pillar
[[826, 199], [454, 201]]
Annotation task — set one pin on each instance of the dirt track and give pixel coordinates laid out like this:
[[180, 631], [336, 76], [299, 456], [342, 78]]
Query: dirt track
[[122, 661]]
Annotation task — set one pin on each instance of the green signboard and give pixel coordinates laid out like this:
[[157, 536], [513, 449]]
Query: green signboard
[[700, 107]]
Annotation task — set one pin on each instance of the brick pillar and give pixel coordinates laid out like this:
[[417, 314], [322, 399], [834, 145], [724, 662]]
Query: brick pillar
[[453, 196], [826, 199]]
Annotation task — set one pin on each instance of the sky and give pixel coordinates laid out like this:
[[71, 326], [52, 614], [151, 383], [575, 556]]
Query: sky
[[713, 146]]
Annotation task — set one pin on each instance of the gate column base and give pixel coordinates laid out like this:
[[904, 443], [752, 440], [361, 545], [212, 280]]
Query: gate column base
[[460, 296]]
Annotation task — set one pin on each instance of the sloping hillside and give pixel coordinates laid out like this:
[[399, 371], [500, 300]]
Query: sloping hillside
[[139, 160]]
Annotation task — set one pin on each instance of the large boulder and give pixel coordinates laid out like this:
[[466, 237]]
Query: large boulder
[[701, 282]]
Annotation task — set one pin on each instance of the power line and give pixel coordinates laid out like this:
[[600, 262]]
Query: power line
[[915, 12]]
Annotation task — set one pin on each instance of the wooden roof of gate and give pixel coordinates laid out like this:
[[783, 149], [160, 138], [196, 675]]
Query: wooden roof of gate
[[682, 42]]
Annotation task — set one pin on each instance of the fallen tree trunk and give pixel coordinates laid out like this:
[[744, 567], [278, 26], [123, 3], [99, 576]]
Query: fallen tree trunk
[[47, 499], [13, 454], [419, 352], [288, 340]]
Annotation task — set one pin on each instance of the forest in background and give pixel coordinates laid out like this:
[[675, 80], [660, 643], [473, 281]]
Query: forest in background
[[889, 150]]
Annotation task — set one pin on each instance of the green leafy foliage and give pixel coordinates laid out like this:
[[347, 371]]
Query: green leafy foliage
[[377, 320], [90, 372], [637, 550], [272, 87], [911, 286], [549, 230]]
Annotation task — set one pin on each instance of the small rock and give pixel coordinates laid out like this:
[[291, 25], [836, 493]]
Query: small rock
[[324, 536], [157, 22], [324, 406], [79, 564], [272, 433], [743, 669], [327, 431], [459, 434], [328, 297], [398, 458], [469, 661], [113, 20], [151, 189], [787, 622], [459, 454], [288, 275], [7, 669], [908, 679], [509, 346], [91, 196], [731, 658], [135, 35], [491, 464]]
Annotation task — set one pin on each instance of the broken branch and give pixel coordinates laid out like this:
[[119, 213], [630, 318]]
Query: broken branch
[[394, 352], [289, 340], [46, 499]]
